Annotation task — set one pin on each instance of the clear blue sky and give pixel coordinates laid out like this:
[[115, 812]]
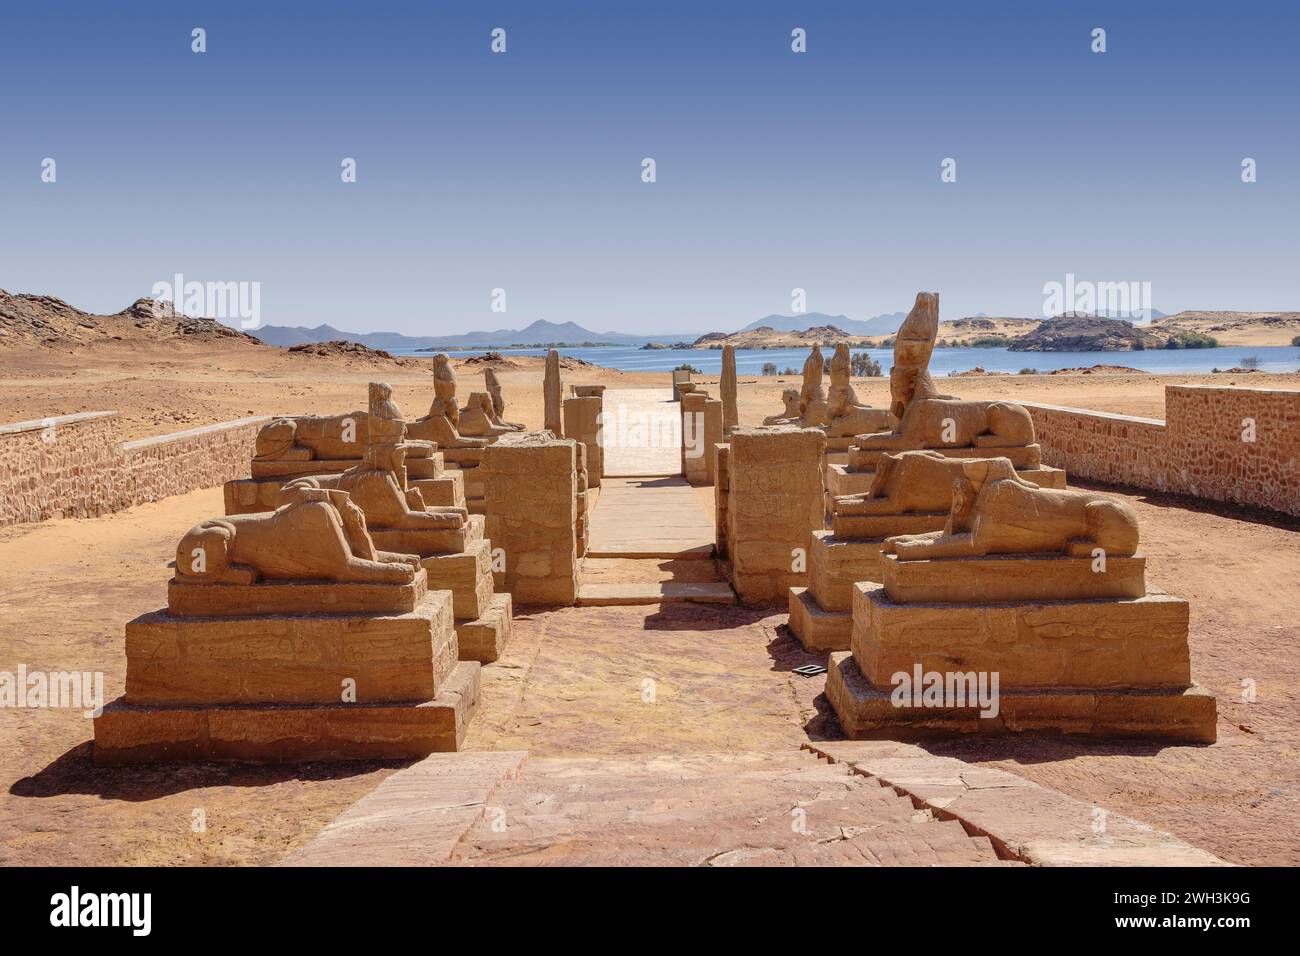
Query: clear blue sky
[[523, 170]]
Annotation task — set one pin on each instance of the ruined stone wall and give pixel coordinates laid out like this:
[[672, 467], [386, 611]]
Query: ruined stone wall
[[1117, 449], [1202, 448], [68, 466], [76, 466], [181, 462]]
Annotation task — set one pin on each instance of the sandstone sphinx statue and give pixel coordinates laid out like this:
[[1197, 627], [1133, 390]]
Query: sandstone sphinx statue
[[316, 535], [478, 418], [441, 424], [1041, 588], [910, 482], [847, 416], [498, 400], [268, 618], [812, 410], [995, 512], [790, 398], [929, 419], [290, 448], [311, 438], [377, 487]]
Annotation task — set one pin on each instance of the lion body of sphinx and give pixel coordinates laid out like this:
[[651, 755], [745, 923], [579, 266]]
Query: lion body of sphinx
[[386, 505], [911, 482], [315, 536], [1007, 515], [789, 398], [332, 438], [953, 423]]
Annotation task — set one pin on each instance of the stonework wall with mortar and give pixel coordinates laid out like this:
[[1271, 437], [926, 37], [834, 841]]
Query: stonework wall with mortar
[[1200, 449], [76, 466]]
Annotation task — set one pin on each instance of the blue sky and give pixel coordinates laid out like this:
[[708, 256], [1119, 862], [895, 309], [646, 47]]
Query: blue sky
[[775, 170]]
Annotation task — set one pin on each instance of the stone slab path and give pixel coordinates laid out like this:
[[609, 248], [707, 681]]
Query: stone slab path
[[642, 432], [649, 518], [1026, 821], [719, 809]]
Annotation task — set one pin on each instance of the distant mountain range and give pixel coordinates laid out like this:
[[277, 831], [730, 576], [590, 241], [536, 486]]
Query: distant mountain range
[[543, 332], [540, 332]]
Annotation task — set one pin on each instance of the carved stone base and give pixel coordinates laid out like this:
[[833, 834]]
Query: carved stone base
[[818, 630], [290, 733], [290, 658], [185, 599], [484, 638], [866, 712], [1116, 643], [835, 564], [1012, 577], [467, 574]]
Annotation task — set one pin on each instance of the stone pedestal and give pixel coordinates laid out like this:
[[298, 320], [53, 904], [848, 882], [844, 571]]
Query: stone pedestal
[[582, 422], [289, 686], [1112, 661], [460, 561], [821, 614], [530, 481], [439, 486], [582, 502], [721, 497], [775, 505], [701, 430]]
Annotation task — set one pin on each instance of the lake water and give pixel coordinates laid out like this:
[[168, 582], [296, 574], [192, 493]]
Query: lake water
[[1277, 358]]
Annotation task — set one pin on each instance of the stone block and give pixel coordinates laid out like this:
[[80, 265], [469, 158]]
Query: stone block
[[1115, 643], [126, 734], [1011, 577], [817, 629], [484, 638], [836, 564], [866, 712], [467, 575], [290, 658], [185, 599]]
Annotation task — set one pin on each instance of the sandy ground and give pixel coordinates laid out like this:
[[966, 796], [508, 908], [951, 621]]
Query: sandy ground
[[169, 390], [568, 683]]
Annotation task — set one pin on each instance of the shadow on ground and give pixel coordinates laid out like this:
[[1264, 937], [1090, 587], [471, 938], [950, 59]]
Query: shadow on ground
[[74, 772]]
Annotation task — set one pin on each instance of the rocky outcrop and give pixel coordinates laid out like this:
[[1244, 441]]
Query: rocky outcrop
[[1086, 333]]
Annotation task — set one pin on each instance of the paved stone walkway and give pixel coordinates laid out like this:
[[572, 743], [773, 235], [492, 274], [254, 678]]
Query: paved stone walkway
[[642, 433], [649, 518], [729, 809]]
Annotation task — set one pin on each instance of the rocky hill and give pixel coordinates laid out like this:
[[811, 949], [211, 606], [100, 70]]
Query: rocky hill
[[1086, 333], [1234, 328], [766, 337], [42, 321]]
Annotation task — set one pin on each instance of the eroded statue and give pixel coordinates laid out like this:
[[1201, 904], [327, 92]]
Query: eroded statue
[[377, 487], [847, 416], [316, 535], [995, 512]]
